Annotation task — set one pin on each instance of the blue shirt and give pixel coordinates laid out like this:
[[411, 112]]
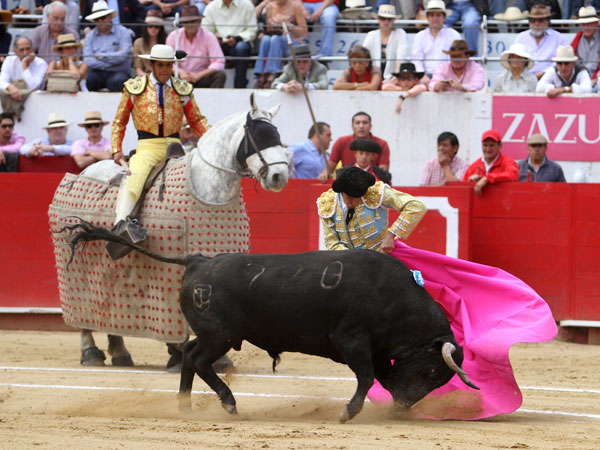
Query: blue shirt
[[308, 162], [60, 149], [111, 51], [543, 52]]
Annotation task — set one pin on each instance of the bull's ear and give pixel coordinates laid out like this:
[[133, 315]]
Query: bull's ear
[[274, 110], [253, 103]]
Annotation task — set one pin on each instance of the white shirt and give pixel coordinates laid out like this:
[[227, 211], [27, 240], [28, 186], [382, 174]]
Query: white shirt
[[13, 70], [551, 79], [224, 21], [427, 51], [396, 49]]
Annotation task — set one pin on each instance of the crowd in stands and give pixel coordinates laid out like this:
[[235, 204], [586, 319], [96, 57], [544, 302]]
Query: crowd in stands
[[100, 51]]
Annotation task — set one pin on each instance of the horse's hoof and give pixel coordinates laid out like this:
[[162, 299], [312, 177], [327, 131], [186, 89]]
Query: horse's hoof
[[92, 356], [174, 369], [185, 404], [223, 364], [345, 415], [231, 409], [122, 361]]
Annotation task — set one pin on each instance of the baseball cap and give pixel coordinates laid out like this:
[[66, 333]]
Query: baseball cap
[[491, 134]]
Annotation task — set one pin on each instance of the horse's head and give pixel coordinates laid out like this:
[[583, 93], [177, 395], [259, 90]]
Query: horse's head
[[261, 150]]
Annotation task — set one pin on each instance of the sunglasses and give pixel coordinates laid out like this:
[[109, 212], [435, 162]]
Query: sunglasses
[[7, 125], [560, 63], [537, 20], [154, 26], [92, 125], [388, 19]]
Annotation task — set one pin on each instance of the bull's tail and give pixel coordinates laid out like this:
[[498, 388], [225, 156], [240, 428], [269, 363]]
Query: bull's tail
[[86, 232], [447, 350]]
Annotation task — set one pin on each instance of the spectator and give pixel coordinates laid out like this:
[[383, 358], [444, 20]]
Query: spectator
[[537, 167], [129, 13], [205, 67], [493, 166], [387, 43], [56, 144], [361, 75], [234, 24], [95, 147], [460, 74], [313, 74], [565, 77], [586, 43], [189, 137], [72, 18], [540, 41], [69, 61], [446, 166], [201, 5], [153, 33], [273, 45], [21, 73], [167, 7], [512, 14], [429, 44], [552, 5], [517, 78], [470, 13], [364, 152], [45, 37], [10, 141], [5, 36], [406, 80], [325, 13], [310, 155], [107, 49], [361, 129]]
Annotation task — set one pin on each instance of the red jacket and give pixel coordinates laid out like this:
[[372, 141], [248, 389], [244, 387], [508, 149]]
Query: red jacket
[[503, 169]]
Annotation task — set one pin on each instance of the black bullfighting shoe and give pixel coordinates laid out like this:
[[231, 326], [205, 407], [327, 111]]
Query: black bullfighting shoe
[[127, 229]]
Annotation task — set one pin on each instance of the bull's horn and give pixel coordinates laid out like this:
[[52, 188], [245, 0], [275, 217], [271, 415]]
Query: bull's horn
[[447, 350]]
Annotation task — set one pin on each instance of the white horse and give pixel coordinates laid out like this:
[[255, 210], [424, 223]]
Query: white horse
[[244, 144]]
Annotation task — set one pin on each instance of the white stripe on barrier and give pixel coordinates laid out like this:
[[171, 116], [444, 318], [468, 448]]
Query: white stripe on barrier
[[253, 394]]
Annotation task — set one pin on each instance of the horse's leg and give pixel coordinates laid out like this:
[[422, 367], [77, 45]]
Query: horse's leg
[[120, 355], [90, 354]]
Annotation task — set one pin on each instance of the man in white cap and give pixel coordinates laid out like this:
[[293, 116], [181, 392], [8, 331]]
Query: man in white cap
[[157, 102], [429, 44], [56, 144], [565, 77], [587, 41], [95, 147], [107, 51]]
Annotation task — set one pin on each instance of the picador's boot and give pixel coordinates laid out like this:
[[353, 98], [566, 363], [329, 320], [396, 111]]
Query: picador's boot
[[125, 227]]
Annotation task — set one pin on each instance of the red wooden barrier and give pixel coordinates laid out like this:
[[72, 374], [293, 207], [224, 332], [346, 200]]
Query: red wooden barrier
[[54, 164]]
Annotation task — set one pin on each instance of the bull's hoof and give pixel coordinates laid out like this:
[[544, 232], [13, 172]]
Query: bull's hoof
[[223, 364], [122, 360], [345, 415], [92, 356], [185, 403], [231, 409]]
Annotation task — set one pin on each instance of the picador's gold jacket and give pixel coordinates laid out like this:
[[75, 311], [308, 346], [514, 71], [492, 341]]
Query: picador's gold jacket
[[140, 101], [370, 222]]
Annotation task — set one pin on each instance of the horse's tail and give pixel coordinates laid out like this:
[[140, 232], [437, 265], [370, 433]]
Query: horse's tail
[[91, 233]]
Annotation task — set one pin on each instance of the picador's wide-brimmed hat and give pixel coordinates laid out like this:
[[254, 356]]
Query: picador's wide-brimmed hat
[[437, 5], [92, 117], [408, 69], [99, 9], [65, 41], [353, 181], [365, 145], [459, 46], [162, 52], [511, 14], [539, 12], [518, 50], [565, 53], [587, 14], [56, 120]]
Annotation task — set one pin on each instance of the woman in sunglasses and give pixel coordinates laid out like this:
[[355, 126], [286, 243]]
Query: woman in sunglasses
[[95, 147], [152, 33]]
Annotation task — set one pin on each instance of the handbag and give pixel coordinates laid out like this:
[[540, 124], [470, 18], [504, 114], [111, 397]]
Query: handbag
[[62, 82]]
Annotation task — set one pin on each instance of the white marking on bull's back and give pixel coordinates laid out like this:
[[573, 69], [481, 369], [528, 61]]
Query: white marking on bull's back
[[332, 275], [201, 296], [255, 277]]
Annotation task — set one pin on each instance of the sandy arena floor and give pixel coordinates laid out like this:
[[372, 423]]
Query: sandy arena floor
[[49, 401]]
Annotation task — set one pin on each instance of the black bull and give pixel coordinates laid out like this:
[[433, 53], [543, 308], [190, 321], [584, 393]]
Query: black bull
[[356, 307]]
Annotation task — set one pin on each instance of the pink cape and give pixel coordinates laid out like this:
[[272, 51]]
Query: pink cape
[[489, 310]]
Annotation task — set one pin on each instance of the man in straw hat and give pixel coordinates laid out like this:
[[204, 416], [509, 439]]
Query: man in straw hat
[[565, 77], [460, 74], [587, 41], [95, 147], [151, 100], [66, 48], [517, 77], [313, 74], [107, 51], [428, 44], [45, 36], [470, 13], [56, 144], [540, 41], [537, 167]]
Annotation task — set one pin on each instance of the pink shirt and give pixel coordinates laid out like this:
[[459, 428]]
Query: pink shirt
[[81, 146], [15, 142], [433, 173], [204, 44], [473, 78]]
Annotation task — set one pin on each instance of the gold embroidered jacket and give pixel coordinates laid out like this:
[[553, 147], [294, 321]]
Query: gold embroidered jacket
[[370, 222], [139, 100]]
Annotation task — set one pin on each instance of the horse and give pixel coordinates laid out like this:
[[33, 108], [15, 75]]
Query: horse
[[244, 144]]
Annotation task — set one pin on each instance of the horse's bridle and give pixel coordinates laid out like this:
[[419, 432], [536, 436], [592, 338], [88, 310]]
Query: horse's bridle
[[265, 165]]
